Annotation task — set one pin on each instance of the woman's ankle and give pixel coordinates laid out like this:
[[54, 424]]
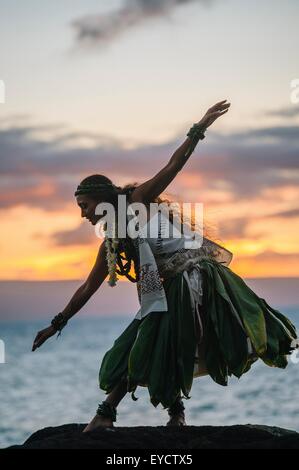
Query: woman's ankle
[[107, 410], [177, 408]]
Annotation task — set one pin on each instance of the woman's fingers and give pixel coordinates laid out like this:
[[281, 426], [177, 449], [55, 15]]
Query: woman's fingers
[[37, 344], [37, 336], [215, 114], [218, 113], [220, 105], [39, 340], [217, 104], [223, 106]]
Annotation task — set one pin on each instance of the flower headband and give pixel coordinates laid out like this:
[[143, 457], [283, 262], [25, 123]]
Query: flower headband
[[93, 188]]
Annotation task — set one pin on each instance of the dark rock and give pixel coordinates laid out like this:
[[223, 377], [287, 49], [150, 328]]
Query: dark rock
[[249, 436]]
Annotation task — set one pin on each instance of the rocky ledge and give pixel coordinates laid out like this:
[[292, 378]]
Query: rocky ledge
[[249, 436]]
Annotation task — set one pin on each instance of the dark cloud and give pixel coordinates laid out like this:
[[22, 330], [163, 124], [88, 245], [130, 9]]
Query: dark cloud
[[234, 228], [249, 162], [288, 112], [105, 28], [285, 214], [277, 133], [82, 235], [237, 227], [270, 255], [45, 173]]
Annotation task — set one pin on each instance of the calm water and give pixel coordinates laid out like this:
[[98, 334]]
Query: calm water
[[58, 384]]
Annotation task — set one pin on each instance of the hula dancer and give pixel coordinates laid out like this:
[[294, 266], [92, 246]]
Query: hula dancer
[[196, 315]]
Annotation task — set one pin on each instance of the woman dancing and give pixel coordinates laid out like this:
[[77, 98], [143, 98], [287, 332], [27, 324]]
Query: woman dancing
[[196, 315]]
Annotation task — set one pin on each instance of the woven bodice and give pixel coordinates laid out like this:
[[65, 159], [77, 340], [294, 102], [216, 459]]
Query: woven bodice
[[170, 252]]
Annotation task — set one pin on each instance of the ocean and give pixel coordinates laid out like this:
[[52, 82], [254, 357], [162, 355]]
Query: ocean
[[58, 384]]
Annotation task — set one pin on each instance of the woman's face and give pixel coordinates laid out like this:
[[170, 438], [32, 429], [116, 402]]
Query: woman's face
[[88, 206]]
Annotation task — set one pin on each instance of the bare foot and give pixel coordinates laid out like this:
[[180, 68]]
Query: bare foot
[[177, 420], [97, 422]]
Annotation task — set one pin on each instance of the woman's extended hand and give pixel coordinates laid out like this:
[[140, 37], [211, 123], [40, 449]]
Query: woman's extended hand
[[42, 336], [214, 113]]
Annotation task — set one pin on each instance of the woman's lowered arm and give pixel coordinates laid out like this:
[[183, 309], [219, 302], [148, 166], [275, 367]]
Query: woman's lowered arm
[[94, 280], [96, 277]]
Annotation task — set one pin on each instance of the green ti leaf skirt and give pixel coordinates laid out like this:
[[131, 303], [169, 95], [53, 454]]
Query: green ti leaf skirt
[[158, 351]]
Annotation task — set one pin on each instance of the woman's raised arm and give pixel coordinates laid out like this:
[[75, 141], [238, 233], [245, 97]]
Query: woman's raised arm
[[152, 188], [96, 277]]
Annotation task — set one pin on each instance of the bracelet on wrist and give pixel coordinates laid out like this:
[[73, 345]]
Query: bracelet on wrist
[[196, 132], [59, 322]]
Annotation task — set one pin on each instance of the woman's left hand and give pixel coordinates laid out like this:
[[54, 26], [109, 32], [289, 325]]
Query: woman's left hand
[[214, 113], [42, 336]]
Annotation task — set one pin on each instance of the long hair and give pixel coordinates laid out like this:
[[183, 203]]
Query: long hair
[[127, 252]]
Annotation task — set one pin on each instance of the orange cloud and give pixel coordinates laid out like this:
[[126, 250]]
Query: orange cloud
[[250, 206], [267, 264]]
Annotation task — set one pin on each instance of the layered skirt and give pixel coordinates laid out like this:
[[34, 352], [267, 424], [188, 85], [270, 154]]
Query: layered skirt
[[224, 336]]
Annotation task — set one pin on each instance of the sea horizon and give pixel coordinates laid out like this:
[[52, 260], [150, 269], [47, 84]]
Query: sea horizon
[[58, 384], [43, 299]]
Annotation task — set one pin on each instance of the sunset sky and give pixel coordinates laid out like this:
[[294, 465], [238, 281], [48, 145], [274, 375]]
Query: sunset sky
[[112, 87]]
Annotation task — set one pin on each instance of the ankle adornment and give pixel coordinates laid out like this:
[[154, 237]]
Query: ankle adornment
[[107, 410], [176, 408]]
